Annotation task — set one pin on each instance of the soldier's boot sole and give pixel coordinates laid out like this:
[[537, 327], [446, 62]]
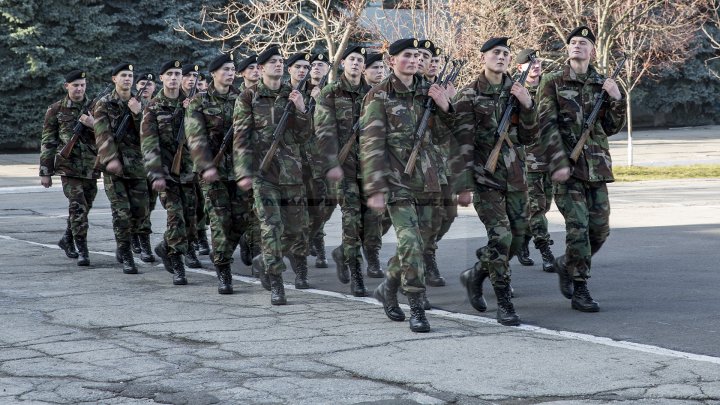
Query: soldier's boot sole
[[394, 313], [68, 247], [476, 298]]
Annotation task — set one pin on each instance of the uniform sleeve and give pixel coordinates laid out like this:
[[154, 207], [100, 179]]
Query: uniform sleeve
[[551, 145], [463, 132], [107, 149], [615, 116], [299, 127], [243, 124], [326, 130], [196, 135], [373, 133], [49, 143], [150, 145], [527, 128]]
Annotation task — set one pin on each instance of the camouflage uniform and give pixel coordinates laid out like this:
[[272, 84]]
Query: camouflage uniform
[[280, 201], [564, 99], [146, 227], [208, 118]]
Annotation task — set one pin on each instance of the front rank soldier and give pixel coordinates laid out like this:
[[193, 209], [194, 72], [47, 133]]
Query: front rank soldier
[[249, 70], [280, 201], [208, 121], [500, 198], [77, 172], [160, 125], [581, 186], [120, 156], [374, 71], [391, 111]]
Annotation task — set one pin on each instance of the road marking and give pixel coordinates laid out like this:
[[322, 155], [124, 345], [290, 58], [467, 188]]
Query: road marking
[[622, 344], [28, 189]]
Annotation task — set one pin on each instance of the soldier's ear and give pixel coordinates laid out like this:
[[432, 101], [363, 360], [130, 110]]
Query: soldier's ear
[[342, 64]]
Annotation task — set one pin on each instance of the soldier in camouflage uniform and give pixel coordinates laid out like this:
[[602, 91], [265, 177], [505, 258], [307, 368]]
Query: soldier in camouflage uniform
[[390, 115], [122, 162], [207, 122], [564, 98], [280, 201], [249, 70], [202, 80], [500, 198], [374, 71], [77, 173], [161, 123]]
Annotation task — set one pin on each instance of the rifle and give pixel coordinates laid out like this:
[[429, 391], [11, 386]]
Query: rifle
[[345, 151], [312, 102], [590, 121], [280, 130], [79, 127], [501, 133], [180, 140], [420, 131]]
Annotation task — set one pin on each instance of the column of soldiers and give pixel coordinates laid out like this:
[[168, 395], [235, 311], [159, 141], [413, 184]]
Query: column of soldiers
[[265, 165]]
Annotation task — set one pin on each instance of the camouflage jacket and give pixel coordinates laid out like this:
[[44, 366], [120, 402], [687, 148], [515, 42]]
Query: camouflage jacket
[[60, 119], [534, 161], [309, 150], [564, 102], [160, 125], [108, 114], [337, 111], [479, 108], [390, 114], [257, 113], [207, 119]]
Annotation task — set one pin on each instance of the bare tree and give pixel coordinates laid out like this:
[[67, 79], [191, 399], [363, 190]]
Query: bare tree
[[711, 34]]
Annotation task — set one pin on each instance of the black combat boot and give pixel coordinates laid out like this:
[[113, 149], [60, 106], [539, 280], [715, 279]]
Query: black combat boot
[[312, 251], [424, 301], [224, 278], [343, 273], [162, 251], [83, 256], [299, 266], [67, 244], [506, 311], [245, 252], [386, 293], [191, 260], [135, 243], [432, 274], [357, 284], [372, 256], [321, 260], [547, 255], [145, 249], [118, 255], [178, 270], [523, 253], [277, 290], [258, 267], [566, 285], [472, 279], [581, 299], [128, 261], [418, 321], [203, 246]]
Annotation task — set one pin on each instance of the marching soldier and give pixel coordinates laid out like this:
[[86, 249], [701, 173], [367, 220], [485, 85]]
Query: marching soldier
[[500, 197], [280, 200], [389, 119], [581, 186], [249, 70], [123, 173], [374, 71], [77, 172]]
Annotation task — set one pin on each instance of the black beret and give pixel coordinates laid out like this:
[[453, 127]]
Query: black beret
[[143, 76], [123, 66], [428, 45], [203, 76], [524, 55], [173, 64], [372, 58], [319, 57], [354, 49], [493, 42], [581, 31], [74, 75], [219, 61], [265, 55], [245, 63], [296, 57], [189, 68], [401, 45]]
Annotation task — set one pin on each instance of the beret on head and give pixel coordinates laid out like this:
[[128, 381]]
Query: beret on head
[[402, 44], [74, 75], [354, 49], [123, 66], [428, 45], [173, 64], [189, 68], [143, 76], [371, 58], [265, 55], [246, 62], [581, 31], [219, 61], [203, 76], [319, 57], [298, 57], [493, 42]]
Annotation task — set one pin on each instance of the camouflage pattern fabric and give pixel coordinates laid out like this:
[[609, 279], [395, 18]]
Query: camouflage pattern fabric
[[81, 195], [179, 201], [448, 211], [360, 224], [200, 212], [108, 114], [540, 195], [534, 160], [228, 209], [129, 205]]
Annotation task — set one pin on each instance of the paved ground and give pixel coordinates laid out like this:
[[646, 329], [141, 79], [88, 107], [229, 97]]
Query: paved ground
[[94, 335]]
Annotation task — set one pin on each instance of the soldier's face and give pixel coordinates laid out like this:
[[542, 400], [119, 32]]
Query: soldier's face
[[433, 67], [149, 90], [299, 70], [424, 61], [318, 70], [251, 73], [171, 79], [202, 85], [406, 62], [580, 48], [497, 60], [123, 80], [188, 81], [273, 68], [225, 75], [353, 64], [76, 89], [375, 72]]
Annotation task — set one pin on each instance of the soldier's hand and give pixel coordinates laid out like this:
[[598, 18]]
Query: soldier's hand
[[377, 202], [186, 103], [561, 175], [465, 198], [134, 105], [87, 120], [46, 181], [450, 90], [438, 95], [315, 92], [114, 166], [522, 94], [245, 183], [297, 98], [159, 185], [335, 174], [611, 87], [210, 175]]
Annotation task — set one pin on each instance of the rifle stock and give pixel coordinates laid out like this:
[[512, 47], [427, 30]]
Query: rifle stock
[[221, 152], [345, 151]]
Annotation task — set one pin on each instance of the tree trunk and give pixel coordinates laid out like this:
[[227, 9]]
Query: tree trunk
[[629, 129]]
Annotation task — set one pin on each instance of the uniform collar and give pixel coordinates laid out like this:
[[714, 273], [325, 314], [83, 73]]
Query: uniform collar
[[593, 77]]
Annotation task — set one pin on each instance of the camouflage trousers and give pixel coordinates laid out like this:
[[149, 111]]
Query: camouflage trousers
[[228, 209], [129, 206], [360, 225], [320, 202], [504, 215], [540, 195], [586, 209], [412, 217], [282, 211], [81, 195], [446, 211], [179, 200], [200, 212], [146, 226]]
